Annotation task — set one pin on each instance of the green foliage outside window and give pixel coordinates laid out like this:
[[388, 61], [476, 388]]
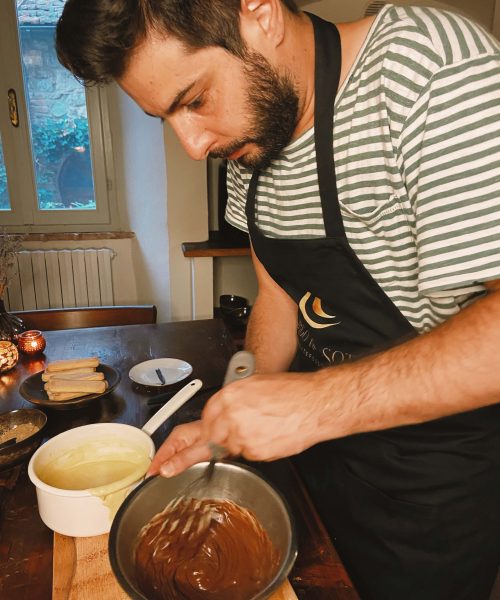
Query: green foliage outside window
[[63, 157], [63, 164], [4, 199]]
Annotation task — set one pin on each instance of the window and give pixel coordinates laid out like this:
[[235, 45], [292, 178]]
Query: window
[[4, 194], [55, 154]]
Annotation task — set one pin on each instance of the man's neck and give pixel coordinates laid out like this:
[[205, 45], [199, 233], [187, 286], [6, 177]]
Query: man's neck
[[352, 38], [298, 61], [300, 54]]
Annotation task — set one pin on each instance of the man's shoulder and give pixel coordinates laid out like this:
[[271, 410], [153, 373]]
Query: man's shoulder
[[449, 37]]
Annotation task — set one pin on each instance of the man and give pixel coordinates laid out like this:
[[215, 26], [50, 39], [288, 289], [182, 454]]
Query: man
[[375, 326]]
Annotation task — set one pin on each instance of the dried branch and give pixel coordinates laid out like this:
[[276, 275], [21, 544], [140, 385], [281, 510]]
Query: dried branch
[[10, 243]]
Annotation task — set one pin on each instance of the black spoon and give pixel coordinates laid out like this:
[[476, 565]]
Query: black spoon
[[8, 443]]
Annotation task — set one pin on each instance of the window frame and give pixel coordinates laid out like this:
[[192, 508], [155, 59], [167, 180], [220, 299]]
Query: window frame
[[25, 215]]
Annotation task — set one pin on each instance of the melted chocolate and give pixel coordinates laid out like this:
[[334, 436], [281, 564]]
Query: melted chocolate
[[223, 553]]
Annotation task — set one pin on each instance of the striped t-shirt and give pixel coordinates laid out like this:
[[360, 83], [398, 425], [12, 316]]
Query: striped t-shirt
[[417, 160]]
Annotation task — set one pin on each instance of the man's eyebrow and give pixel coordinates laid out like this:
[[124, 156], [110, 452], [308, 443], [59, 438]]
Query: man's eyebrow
[[175, 103], [178, 99]]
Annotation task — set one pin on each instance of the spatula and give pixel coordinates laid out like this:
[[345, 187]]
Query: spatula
[[241, 365]]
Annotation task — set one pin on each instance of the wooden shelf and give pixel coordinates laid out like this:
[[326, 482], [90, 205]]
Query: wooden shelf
[[216, 245]]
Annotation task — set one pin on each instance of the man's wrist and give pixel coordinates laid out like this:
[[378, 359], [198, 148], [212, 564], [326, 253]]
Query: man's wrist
[[339, 398]]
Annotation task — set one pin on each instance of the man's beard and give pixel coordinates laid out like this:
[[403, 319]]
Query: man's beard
[[273, 106]]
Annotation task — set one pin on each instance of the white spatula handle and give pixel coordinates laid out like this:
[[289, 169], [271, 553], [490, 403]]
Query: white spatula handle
[[166, 411], [240, 365]]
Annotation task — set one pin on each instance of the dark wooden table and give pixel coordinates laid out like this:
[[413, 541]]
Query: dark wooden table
[[26, 543]]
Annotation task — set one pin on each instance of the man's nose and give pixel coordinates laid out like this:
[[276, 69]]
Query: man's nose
[[195, 139]]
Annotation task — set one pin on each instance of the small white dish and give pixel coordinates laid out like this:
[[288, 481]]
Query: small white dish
[[172, 369]]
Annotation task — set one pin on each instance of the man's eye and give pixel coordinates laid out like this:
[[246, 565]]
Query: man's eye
[[196, 103]]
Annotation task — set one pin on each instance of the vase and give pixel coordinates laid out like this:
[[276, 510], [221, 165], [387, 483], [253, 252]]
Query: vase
[[10, 325], [8, 355]]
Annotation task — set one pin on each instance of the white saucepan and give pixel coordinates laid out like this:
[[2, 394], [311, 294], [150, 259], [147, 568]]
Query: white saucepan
[[83, 475]]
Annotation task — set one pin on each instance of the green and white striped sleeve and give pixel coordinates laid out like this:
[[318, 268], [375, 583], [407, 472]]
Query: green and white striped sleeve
[[450, 154]]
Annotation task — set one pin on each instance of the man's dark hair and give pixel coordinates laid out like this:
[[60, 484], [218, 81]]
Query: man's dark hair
[[94, 38]]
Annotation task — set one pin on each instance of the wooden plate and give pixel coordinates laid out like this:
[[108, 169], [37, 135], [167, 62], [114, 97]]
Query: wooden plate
[[82, 571], [32, 390]]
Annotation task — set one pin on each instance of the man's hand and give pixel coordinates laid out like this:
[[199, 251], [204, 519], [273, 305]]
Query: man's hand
[[183, 448], [263, 417]]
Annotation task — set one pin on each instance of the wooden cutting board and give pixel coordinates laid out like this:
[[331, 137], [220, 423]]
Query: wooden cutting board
[[82, 571]]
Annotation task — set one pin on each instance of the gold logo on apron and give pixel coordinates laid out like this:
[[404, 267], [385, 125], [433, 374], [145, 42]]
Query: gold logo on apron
[[316, 310]]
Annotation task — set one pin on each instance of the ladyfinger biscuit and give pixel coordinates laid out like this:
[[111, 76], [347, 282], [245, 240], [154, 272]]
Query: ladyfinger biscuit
[[61, 396], [75, 385], [94, 376], [78, 373], [72, 363]]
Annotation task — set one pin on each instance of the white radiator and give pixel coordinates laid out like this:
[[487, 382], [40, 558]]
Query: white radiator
[[61, 279]]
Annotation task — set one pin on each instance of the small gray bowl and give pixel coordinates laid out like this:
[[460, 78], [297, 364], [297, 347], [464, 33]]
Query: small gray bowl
[[233, 306], [231, 481], [21, 450]]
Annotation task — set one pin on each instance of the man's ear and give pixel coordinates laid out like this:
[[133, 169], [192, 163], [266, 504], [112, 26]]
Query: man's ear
[[262, 23]]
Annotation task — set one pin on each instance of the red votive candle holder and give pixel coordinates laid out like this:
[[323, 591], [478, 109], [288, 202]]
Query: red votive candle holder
[[31, 342]]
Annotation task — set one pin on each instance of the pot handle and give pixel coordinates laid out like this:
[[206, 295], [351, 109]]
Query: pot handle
[[171, 406]]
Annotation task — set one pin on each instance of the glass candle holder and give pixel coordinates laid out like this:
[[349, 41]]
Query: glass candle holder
[[31, 342], [8, 355]]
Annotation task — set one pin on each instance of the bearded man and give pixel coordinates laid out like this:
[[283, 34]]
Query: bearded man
[[364, 161]]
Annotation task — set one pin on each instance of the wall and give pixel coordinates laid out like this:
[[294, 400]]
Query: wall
[[163, 199], [191, 281], [334, 10], [141, 180]]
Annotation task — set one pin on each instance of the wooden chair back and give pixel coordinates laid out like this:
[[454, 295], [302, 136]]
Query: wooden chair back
[[93, 316]]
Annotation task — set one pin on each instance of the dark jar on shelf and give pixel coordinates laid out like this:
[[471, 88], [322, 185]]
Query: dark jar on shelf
[[10, 325]]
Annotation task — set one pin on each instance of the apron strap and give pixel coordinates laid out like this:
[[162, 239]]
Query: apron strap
[[328, 58], [250, 206]]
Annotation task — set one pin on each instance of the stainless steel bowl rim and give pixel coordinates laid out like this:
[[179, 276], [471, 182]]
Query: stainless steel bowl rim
[[20, 451], [25, 441], [272, 586]]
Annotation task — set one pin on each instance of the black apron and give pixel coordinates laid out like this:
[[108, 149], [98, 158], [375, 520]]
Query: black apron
[[413, 511]]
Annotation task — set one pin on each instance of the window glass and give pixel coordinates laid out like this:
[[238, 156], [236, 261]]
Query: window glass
[[57, 114], [4, 192]]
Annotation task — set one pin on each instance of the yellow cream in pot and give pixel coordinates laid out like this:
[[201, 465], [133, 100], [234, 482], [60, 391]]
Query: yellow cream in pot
[[106, 467]]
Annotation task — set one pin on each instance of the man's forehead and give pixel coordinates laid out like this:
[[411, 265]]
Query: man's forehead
[[161, 72], [153, 60], [155, 48]]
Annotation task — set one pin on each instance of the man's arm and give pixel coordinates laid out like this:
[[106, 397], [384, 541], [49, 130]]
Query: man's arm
[[271, 332], [271, 336], [453, 368]]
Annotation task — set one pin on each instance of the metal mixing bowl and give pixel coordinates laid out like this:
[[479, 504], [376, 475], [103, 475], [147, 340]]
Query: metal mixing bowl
[[231, 481], [21, 450]]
